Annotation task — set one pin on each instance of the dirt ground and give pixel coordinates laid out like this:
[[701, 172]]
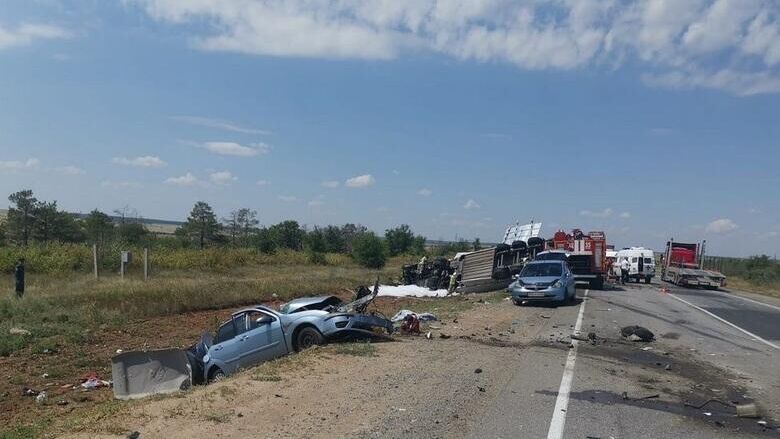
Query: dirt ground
[[413, 387]]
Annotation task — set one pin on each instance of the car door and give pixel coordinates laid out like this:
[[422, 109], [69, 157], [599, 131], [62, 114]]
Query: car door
[[262, 340], [226, 351]]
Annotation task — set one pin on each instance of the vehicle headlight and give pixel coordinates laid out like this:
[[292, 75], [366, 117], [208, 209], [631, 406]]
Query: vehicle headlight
[[557, 284], [206, 358]]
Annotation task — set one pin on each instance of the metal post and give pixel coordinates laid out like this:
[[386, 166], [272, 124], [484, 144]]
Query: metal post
[[146, 264], [94, 260], [121, 267]]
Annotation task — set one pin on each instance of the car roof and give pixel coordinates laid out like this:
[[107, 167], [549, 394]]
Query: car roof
[[305, 301], [546, 261]]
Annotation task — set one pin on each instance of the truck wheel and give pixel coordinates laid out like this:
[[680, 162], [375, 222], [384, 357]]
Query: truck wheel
[[307, 337]]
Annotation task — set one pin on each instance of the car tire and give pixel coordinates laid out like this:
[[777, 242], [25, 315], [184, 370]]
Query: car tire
[[216, 375], [307, 337]]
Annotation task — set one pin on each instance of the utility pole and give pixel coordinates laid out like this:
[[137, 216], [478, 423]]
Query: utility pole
[[95, 260]]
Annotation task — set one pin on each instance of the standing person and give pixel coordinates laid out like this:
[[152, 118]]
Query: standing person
[[624, 267], [19, 278]]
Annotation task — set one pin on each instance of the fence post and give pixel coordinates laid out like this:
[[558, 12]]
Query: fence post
[[95, 260], [146, 264]]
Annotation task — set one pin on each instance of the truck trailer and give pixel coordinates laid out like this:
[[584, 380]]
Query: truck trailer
[[682, 265]]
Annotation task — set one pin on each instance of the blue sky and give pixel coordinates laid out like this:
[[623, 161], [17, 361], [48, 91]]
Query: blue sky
[[646, 120]]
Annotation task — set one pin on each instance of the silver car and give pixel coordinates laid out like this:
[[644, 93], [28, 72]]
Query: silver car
[[257, 334], [543, 281]]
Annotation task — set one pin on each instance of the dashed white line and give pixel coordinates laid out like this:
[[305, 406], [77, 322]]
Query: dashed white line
[[754, 336], [562, 401]]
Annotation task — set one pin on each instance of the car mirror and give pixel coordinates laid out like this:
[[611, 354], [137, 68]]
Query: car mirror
[[264, 320]]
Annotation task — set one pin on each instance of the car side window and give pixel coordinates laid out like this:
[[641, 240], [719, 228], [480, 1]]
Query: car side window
[[240, 324], [225, 332]]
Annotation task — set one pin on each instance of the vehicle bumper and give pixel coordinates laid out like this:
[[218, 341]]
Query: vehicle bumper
[[545, 295]]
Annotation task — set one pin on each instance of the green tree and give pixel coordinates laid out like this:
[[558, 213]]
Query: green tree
[[264, 240], [334, 239], [68, 228], [2, 233], [368, 250], [21, 216], [399, 240], [288, 234], [315, 246], [44, 227], [132, 233], [247, 223], [99, 227], [349, 232], [202, 224], [418, 245]]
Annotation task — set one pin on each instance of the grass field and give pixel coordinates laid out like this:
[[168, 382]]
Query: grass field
[[767, 289]]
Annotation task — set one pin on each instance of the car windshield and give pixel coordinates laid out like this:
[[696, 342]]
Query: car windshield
[[541, 270]]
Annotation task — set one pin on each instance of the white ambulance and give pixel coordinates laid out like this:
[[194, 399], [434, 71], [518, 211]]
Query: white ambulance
[[641, 261]]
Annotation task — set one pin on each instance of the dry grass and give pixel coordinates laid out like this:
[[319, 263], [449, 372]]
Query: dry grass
[[772, 290]]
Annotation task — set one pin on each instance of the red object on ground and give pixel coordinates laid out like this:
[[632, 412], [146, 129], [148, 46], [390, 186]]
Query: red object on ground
[[411, 325]]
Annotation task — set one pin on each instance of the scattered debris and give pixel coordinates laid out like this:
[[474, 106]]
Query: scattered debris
[[429, 335], [668, 367], [481, 389], [637, 333], [423, 317], [747, 410], [647, 348], [707, 413], [91, 381], [41, 397], [478, 370], [26, 391], [19, 331], [410, 325], [134, 435], [62, 402], [444, 336], [544, 316]]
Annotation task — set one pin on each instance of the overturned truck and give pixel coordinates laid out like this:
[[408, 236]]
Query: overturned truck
[[251, 336]]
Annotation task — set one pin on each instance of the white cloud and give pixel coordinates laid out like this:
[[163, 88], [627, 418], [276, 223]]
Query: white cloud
[[147, 161], [17, 165], [330, 184], [606, 213], [697, 40], [219, 124], [27, 33], [625, 215], [288, 198], [425, 192], [262, 183], [70, 170], [185, 180], [471, 204], [222, 177], [360, 181], [121, 184], [236, 149], [723, 225]]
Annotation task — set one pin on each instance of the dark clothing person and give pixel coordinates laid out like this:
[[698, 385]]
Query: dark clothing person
[[19, 278], [623, 275]]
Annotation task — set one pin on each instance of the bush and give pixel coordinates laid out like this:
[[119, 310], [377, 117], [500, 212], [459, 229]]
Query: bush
[[369, 251]]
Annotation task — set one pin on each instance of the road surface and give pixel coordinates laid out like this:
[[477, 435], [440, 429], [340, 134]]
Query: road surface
[[503, 371]]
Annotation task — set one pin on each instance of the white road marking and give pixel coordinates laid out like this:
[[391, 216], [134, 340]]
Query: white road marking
[[754, 336], [562, 402], [749, 300]]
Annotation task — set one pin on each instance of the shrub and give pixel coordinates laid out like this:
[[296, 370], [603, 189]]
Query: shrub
[[369, 251]]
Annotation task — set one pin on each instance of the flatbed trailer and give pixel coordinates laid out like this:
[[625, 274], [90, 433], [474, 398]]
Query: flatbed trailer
[[683, 266]]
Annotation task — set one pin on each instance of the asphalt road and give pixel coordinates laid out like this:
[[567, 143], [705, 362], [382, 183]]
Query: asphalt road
[[617, 389]]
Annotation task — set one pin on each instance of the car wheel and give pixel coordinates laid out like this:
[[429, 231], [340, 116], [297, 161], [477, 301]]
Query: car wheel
[[307, 337], [216, 375]]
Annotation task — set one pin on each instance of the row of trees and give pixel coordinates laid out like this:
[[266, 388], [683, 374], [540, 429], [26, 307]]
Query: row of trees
[[32, 221]]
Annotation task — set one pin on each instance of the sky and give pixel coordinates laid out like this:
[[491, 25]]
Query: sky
[[644, 119]]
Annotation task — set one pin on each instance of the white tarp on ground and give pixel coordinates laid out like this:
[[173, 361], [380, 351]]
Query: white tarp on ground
[[409, 291]]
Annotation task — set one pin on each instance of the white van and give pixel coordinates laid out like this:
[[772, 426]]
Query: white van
[[641, 260]]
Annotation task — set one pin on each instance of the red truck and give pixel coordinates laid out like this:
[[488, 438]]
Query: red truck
[[586, 255], [682, 265]]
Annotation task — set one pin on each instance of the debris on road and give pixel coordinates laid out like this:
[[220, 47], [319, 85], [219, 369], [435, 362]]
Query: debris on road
[[91, 381], [478, 370], [747, 410], [637, 333], [444, 336], [41, 397], [422, 317]]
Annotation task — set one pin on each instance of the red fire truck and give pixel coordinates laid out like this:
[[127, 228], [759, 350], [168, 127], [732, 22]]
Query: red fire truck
[[587, 255]]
